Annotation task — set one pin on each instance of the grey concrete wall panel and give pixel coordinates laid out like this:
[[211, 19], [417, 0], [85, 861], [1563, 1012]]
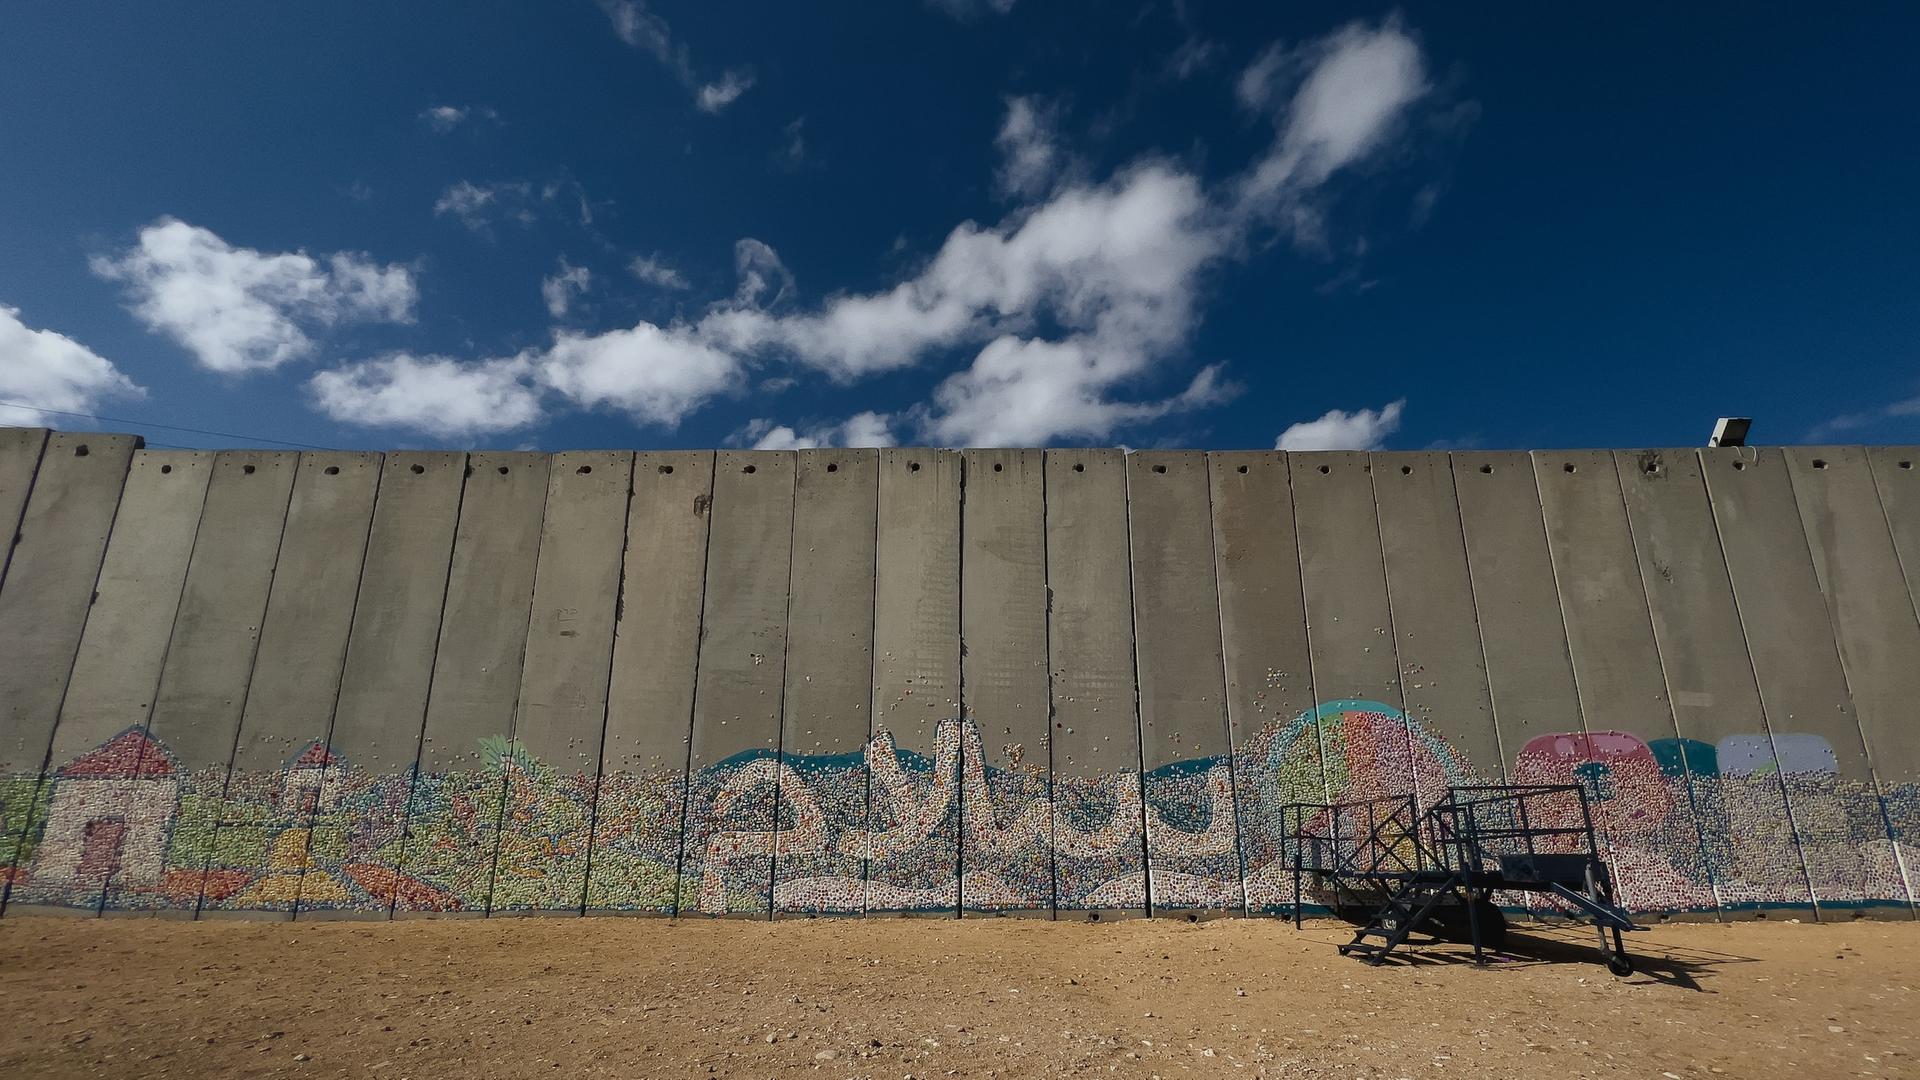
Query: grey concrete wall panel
[[643, 771], [1860, 576], [43, 609], [453, 814], [1831, 792], [1443, 670], [1363, 732], [281, 761], [1006, 858], [913, 805], [1896, 471], [563, 687], [203, 684], [361, 814], [1193, 862], [1643, 810], [19, 459], [1522, 629], [1263, 631], [727, 858], [1752, 858], [818, 858], [114, 678], [1099, 825]]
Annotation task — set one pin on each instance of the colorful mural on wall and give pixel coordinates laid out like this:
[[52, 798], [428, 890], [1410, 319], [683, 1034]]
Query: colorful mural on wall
[[1752, 822]]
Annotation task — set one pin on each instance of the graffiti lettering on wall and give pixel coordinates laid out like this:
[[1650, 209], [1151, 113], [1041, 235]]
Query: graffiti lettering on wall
[[1752, 821]]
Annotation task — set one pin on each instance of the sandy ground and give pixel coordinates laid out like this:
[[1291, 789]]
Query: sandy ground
[[900, 998]]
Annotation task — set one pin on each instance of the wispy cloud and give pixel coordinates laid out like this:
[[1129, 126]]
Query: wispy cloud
[[658, 272], [861, 429], [237, 309], [559, 288], [1031, 158], [969, 9], [445, 118], [639, 27]]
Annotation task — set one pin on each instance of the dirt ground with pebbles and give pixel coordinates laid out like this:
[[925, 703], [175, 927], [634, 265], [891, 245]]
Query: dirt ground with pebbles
[[918, 998]]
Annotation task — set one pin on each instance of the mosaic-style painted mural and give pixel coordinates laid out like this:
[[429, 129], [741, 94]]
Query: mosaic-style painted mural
[[1738, 825]]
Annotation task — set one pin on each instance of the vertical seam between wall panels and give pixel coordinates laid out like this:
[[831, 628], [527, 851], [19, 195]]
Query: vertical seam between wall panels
[[166, 650], [246, 692], [1899, 856], [1226, 692], [340, 673], [1829, 602], [26, 496], [1473, 590], [1753, 671], [959, 696], [606, 697], [1306, 618], [693, 695], [1393, 638], [1566, 636], [1666, 680], [870, 690], [53, 729], [1133, 655], [1500, 773], [1046, 646], [786, 647], [433, 665], [520, 685]]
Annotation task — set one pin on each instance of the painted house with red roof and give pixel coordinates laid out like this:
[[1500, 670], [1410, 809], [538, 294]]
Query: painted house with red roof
[[110, 815], [312, 782]]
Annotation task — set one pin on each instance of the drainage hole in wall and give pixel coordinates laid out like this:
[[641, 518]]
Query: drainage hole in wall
[[503, 470], [1906, 464], [833, 466], [1242, 469], [913, 466], [584, 470], [416, 469], [1819, 463], [248, 469], [1079, 468], [997, 466], [1739, 465], [746, 468], [1571, 467], [666, 470], [1406, 470], [165, 469], [1159, 468], [81, 450], [1324, 469], [333, 470]]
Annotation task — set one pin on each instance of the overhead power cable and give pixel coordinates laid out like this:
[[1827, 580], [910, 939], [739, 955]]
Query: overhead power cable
[[165, 427]]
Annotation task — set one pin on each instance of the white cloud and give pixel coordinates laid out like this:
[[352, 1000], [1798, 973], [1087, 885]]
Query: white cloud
[[861, 429], [433, 394], [715, 96], [48, 370], [655, 270], [1030, 156], [1361, 429], [444, 118], [759, 269], [656, 375], [237, 309], [559, 289], [649, 33]]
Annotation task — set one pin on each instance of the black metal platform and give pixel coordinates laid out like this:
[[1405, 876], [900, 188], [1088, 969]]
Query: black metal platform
[[1437, 870]]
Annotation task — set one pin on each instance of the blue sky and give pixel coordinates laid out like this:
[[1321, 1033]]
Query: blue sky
[[585, 223]]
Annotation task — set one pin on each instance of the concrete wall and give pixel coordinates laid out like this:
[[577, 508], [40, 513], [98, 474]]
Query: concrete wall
[[1074, 683]]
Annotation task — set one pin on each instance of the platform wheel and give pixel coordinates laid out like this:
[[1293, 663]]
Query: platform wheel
[[1619, 965]]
